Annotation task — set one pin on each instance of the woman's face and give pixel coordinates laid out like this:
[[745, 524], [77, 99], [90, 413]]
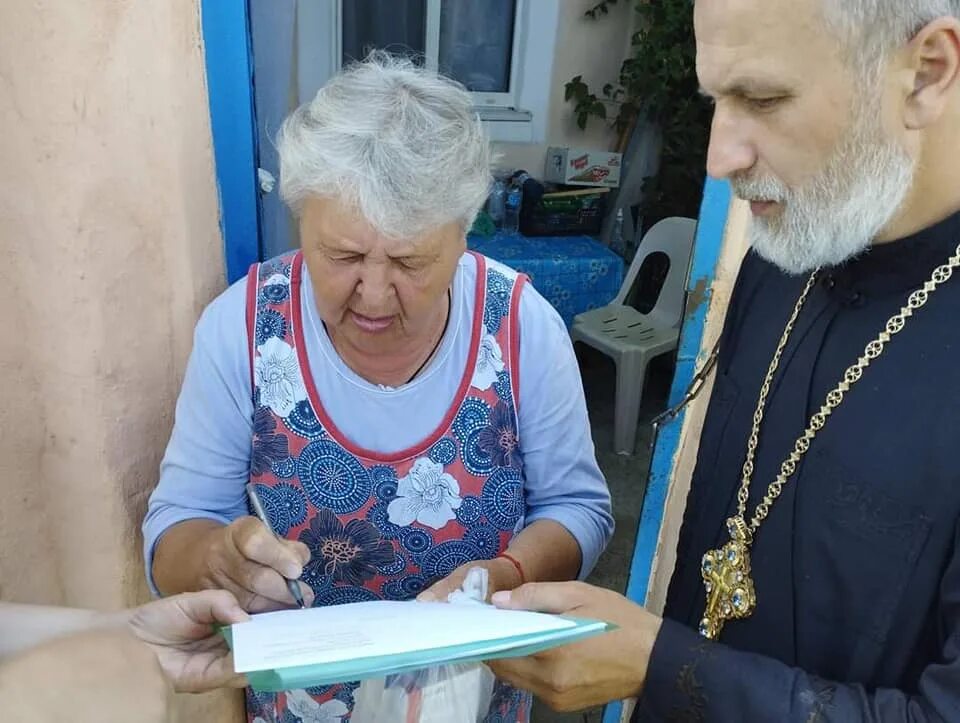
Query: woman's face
[[377, 294]]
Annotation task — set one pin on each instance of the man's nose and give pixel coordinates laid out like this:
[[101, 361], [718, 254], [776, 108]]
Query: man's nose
[[730, 151]]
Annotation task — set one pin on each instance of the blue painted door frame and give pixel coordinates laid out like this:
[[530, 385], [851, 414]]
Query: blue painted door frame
[[706, 253], [226, 36], [225, 25]]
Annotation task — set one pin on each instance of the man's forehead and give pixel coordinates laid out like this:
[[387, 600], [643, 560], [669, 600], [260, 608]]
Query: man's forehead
[[753, 44], [743, 72], [741, 19]]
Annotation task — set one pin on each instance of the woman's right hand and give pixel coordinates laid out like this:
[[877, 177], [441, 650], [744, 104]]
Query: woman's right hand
[[248, 560]]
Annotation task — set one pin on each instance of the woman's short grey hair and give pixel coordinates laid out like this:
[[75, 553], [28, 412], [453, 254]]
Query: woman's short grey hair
[[400, 145], [872, 30]]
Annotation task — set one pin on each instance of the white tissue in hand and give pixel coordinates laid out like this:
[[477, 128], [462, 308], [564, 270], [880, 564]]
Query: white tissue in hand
[[474, 588]]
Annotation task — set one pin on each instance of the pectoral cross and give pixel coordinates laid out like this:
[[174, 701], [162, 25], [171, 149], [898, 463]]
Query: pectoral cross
[[726, 578]]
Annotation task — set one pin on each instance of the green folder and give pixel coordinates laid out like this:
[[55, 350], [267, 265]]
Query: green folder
[[309, 676]]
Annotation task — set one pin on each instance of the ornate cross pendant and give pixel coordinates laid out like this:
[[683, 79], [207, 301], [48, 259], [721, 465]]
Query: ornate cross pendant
[[726, 578]]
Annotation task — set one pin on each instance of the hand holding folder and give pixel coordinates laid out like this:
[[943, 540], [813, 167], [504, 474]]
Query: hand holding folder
[[321, 646]]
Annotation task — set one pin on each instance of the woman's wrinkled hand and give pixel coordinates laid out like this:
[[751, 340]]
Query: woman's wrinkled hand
[[502, 575], [248, 560]]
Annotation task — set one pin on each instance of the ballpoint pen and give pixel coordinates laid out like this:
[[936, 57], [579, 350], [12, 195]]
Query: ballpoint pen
[[261, 514]]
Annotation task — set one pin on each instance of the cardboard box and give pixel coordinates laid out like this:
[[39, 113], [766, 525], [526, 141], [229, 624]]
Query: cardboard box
[[577, 167]]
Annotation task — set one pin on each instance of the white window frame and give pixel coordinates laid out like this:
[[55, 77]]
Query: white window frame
[[483, 99], [519, 115]]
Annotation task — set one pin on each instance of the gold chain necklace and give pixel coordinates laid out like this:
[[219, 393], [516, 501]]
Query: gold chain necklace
[[726, 571]]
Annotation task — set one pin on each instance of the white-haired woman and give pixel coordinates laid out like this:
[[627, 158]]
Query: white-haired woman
[[407, 409]]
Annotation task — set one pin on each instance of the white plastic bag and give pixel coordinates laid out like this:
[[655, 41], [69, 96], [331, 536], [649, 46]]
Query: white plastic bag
[[444, 694]]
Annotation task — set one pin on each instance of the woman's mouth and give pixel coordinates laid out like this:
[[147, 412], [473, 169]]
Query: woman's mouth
[[371, 324]]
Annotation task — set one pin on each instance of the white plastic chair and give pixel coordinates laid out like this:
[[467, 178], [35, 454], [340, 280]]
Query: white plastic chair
[[632, 339]]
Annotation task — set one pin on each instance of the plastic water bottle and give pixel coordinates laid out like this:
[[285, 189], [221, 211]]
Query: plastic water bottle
[[511, 218], [497, 202], [616, 236]]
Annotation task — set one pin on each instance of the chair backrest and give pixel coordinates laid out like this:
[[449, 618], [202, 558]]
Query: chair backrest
[[673, 237]]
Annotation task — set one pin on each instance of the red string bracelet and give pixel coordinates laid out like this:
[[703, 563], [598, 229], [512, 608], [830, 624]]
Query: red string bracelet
[[516, 564]]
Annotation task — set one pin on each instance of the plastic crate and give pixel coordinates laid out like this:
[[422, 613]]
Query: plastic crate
[[565, 213]]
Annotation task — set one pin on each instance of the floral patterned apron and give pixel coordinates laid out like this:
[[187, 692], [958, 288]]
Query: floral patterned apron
[[383, 526]]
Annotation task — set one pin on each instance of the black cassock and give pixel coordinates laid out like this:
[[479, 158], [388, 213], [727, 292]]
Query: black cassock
[[857, 568]]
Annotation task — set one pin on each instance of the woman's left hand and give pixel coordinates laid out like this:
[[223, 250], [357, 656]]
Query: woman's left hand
[[502, 575]]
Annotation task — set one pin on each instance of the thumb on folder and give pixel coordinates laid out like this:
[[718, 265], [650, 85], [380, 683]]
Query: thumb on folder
[[546, 597]]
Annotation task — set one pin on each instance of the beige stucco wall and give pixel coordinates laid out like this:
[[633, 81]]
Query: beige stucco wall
[[108, 227], [594, 49]]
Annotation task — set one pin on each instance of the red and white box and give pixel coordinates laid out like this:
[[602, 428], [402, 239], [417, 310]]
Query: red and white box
[[577, 167]]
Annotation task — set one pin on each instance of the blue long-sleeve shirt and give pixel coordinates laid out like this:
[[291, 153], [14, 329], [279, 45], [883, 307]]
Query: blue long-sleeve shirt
[[857, 567], [207, 462]]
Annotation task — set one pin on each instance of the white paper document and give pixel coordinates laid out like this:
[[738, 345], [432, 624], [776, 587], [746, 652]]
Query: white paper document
[[381, 628]]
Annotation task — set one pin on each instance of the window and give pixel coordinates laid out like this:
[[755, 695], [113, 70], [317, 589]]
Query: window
[[473, 41], [485, 44], [397, 26], [477, 45]]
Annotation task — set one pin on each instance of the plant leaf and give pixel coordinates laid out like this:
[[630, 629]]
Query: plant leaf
[[657, 82]]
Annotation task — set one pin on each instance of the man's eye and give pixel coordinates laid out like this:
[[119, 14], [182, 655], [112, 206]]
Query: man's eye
[[765, 103], [348, 258]]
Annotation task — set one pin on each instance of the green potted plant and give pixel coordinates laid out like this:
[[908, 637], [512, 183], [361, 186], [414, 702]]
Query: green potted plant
[[657, 84]]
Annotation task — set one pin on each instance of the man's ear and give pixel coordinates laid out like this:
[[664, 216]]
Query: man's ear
[[933, 64]]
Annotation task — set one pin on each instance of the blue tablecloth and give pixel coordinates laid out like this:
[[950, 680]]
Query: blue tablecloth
[[574, 273]]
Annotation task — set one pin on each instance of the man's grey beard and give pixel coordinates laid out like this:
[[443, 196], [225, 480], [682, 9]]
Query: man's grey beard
[[836, 215]]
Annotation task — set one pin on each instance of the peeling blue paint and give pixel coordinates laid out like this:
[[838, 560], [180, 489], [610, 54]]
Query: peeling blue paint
[[709, 242]]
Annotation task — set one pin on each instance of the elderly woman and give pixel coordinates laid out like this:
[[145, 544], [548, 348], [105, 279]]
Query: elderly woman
[[405, 408]]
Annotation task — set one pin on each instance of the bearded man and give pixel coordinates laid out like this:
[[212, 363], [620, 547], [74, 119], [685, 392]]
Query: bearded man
[[818, 573]]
